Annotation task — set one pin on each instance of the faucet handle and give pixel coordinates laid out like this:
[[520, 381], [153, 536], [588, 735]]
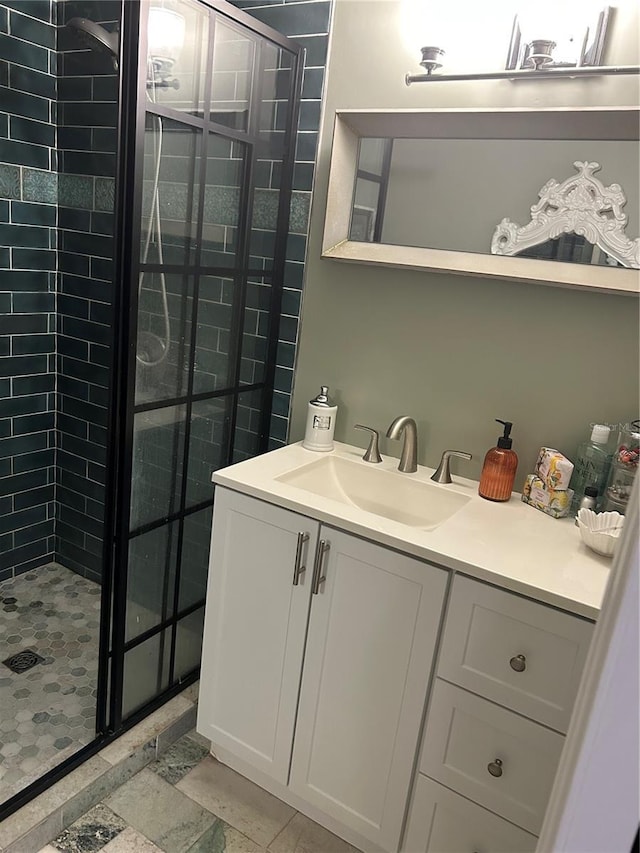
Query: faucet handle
[[442, 474], [372, 453]]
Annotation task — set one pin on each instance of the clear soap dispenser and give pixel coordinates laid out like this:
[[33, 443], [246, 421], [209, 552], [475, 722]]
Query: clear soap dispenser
[[321, 422], [499, 468]]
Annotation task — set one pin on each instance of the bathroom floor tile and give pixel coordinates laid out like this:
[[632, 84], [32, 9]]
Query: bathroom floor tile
[[168, 818], [209, 808], [246, 807], [302, 835], [222, 838], [130, 841], [91, 832], [179, 759], [48, 711]]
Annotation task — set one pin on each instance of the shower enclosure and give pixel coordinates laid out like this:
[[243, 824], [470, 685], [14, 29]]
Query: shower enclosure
[[168, 283], [205, 212]]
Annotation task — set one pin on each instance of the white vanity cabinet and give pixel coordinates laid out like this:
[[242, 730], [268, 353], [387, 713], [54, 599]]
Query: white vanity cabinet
[[507, 677], [318, 650]]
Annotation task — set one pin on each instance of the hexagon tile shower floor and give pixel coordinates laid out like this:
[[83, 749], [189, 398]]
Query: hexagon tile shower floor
[[47, 707]]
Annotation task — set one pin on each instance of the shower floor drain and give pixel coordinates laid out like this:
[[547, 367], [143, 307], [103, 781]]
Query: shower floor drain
[[22, 661]]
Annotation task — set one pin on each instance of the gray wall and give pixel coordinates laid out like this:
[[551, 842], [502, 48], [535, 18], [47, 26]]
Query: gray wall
[[456, 352]]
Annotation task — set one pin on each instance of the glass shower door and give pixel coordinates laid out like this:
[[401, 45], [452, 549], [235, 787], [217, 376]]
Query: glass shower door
[[217, 112]]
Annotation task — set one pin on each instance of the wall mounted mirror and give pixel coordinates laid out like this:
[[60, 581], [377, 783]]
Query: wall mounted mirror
[[427, 189]]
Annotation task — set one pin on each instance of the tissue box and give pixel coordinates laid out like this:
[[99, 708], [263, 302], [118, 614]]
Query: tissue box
[[555, 502], [553, 468]]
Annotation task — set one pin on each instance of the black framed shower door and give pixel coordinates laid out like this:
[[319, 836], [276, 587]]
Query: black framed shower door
[[207, 151]]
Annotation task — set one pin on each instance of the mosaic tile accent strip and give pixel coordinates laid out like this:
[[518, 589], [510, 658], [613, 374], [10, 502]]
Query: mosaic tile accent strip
[[75, 191], [41, 186], [104, 194], [48, 712], [9, 181], [299, 216]]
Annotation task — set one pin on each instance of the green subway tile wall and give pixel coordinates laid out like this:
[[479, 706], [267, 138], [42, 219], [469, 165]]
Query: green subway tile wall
[[27, 285], [87, 138], [58, 111], [308, 23]]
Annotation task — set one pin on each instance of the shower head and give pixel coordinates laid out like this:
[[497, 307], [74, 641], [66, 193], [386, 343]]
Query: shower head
[[94, 36]]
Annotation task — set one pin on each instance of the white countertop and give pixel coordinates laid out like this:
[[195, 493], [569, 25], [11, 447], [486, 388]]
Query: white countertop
[[510, 544]]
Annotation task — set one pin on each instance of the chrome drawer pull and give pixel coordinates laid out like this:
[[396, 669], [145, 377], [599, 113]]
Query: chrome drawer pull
[[518, 663], [495, 767], [297, 568], [318, 577]]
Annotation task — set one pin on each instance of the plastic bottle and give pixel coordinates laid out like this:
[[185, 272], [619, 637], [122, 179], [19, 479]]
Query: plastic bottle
[[321, 422], [499, 468], [591, 467], [624, 467]]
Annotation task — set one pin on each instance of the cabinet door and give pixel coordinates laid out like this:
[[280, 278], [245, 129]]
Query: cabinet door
[[443, 822], [370, 647], [254, 630]]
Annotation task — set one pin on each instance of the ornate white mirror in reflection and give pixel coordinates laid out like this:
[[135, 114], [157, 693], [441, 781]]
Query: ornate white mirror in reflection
[[579, 220]]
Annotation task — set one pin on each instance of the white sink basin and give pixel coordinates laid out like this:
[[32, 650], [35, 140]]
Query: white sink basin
[[391, 494]]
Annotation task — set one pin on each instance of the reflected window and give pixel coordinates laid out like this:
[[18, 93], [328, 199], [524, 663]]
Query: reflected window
[[370, 192]]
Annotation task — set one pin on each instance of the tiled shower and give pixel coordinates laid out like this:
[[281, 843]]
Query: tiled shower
[[59, 111]]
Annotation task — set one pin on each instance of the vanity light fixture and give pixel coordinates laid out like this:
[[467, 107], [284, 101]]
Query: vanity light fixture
[[540, 53], [431, 57], [542, 47]]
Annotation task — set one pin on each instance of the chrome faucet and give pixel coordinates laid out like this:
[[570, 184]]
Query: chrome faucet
[[406, 426], [372, 453], [442, 474]]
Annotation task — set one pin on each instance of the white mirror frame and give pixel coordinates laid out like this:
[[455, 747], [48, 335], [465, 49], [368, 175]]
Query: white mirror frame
[[589, 123]]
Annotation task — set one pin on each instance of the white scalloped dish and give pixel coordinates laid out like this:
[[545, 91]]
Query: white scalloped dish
[[600, 531]]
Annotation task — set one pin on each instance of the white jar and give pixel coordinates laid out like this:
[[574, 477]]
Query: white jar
[[321, 422]]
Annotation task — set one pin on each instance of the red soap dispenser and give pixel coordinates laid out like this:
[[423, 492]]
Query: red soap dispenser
[[499, 468]]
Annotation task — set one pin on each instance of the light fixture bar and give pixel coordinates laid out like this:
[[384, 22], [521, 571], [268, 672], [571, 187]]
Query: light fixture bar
[[541, 74]]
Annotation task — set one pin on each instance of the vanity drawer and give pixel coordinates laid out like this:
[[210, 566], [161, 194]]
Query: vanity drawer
[[514, 651], [495, 757], [443, 822]]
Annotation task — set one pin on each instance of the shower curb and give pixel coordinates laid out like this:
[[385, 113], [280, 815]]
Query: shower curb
[[33, 826]]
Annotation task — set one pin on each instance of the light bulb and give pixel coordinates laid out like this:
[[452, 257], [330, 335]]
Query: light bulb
[[165, 34], [562, 21], [476, 45]]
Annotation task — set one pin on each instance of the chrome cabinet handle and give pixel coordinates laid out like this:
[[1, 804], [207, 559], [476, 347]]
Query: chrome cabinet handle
[[297, 568], [518, 663], [495, 767], [319, 578]]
